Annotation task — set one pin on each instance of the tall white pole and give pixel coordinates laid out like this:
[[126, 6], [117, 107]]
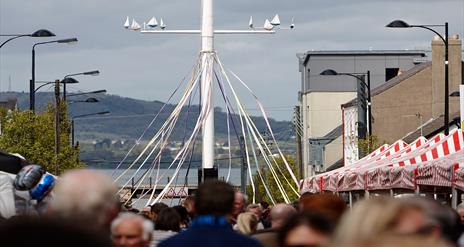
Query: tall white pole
[[207, 47], [207, 59]]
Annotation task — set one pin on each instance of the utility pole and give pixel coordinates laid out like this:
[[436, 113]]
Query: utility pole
[[57, 124], [299, 156]]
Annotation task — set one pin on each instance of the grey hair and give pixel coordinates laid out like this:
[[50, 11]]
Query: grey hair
[[86, 195], [146, 224]]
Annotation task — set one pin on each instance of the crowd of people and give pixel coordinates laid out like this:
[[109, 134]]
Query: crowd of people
[[84, 210]]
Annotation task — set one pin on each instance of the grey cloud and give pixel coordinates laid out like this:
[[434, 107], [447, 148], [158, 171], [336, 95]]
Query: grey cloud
[[151, 66]]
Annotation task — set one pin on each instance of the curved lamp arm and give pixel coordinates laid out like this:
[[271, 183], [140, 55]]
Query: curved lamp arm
[[10, 39]]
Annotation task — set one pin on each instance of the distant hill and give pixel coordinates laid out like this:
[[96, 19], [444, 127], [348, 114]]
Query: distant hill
[[129, 117]]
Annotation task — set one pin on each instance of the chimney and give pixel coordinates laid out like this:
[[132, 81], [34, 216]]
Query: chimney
[[438, 73]]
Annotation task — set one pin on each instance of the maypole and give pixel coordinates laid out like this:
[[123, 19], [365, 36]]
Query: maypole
[[207, 56], [207, 60]]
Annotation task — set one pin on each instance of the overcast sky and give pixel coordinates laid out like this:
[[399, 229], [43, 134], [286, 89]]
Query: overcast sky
[[150, 66]]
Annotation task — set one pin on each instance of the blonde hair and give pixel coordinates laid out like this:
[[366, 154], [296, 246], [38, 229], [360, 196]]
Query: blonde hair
[[247, 223], [393, 240], [368, 219]]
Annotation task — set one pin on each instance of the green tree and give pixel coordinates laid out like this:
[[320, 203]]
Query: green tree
[[33, 136], [369, 144], [283, 176]]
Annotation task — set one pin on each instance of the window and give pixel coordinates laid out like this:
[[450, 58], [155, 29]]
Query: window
[[390, 73]]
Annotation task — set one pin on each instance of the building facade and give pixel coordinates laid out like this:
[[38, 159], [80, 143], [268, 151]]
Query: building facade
[[411, 101], [321, 96]]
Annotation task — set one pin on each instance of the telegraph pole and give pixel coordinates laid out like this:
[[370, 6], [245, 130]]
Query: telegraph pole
[[299, 156], [57, 124]]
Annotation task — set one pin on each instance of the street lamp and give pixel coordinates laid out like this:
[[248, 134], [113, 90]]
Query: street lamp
[[81, 116], [32, 82], [84, 93], [67, 80], [362, 80], [402, 24], [92, 73], [38, 33], [88, 100]]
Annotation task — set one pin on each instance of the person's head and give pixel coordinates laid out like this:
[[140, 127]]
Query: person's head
[[264, 205], [280, 213], [368, 218], [133, 210], [407, 216], [239, 204], [168, 220], [87, 196], [460, 210], [189, 204], [146, 212], [396, 240], [306, 229], [256, 209], [184, 217], [247, 223], [426, 216], [329, 205], [45, 231], [214, 198], [131, 230], [156, 209]]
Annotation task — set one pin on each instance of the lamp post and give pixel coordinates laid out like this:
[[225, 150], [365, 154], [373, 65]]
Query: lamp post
[[363, 81], [32, 82], [402, 24], [92, 73], [91, 92], [66, 80], [38, 33], [88, 100], [81, 116]]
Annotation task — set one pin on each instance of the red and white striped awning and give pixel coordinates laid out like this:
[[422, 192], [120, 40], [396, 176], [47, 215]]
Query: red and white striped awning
[[438, 161]]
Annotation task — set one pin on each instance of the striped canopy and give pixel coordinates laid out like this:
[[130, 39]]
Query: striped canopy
[[435, 162]]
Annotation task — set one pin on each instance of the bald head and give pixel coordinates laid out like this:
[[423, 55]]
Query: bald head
[[85, 195], [239, 204], [280, 213]]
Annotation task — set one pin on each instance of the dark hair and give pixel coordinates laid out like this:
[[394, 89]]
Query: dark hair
[[34, 231], [134, 210], [168, 220], [215, 198], [145, 215], [317, 222], [264, 204], [157, 207], [182, 213], [331, 206]]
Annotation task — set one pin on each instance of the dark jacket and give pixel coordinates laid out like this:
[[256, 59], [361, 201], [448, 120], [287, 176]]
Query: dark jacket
[[208, 231]]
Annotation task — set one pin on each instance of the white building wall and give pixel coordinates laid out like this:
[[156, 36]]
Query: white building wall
[[322, 113]]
